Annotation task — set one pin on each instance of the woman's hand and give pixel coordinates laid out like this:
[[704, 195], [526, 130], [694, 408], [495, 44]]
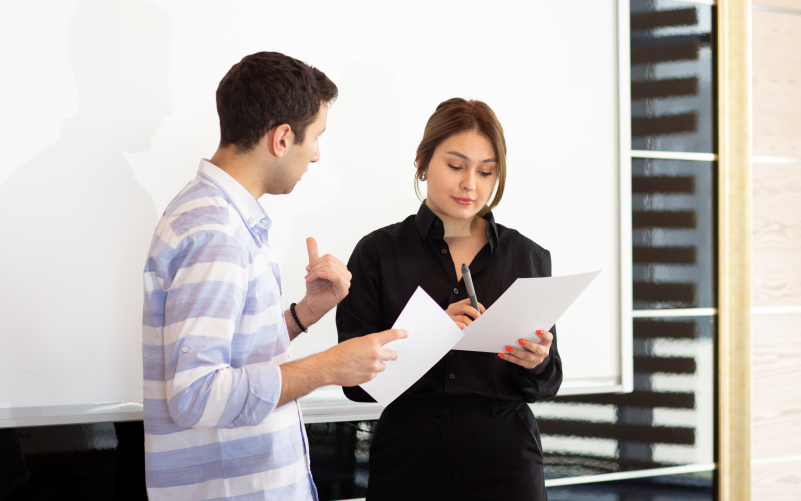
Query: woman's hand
[[462, 313], [531, 354]]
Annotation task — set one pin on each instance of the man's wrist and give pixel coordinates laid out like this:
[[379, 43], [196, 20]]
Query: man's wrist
[[323, 369], [305, 315]]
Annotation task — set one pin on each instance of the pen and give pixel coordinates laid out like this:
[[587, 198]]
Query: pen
[[471, 291]]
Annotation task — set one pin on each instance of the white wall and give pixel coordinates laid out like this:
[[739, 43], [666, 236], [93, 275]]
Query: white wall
[[108, 107]]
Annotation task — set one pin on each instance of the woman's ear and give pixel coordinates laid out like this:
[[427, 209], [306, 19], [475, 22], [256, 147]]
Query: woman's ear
[[421, 174]]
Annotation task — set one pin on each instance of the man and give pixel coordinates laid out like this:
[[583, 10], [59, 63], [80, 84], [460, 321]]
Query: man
[[221, 414]]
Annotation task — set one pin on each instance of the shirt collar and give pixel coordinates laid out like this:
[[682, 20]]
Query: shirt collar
[[426, 221], [248, 207]]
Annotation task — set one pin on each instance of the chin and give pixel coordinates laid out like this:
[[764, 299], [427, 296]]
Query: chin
[[462, 212]]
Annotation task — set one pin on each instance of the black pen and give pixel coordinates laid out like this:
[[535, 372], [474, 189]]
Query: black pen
[[471, 291]]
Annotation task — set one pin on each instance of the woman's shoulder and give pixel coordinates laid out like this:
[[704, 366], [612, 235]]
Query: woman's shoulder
[[522, 249], [387, 235], [517, 241]]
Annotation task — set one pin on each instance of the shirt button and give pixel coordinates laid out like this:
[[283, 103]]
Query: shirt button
[[452, 376], [184, 349], [250, 220], [455, 290], [444, 251], [436, 223]]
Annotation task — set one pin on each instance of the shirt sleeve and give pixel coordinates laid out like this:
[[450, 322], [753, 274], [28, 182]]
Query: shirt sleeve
[[203, 286], [361, 312], [544, 380]]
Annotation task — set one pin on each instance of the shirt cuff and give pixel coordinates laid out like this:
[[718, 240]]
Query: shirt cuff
[[264, 390]]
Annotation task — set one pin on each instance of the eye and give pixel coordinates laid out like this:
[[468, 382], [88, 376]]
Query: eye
[[454, 167], [485, 174]]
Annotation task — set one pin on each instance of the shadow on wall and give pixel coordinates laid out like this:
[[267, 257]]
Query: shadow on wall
[[76, 223]]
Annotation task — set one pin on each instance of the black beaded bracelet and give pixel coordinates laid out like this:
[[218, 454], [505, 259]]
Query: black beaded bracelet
[[295, 316]]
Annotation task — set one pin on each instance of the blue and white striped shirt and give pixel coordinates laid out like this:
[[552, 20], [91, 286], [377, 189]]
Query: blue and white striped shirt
[[213, 337]]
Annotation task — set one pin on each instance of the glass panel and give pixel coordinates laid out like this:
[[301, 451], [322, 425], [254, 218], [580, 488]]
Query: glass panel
[[672, 76], [673, 233], [339, 454], [82, 461], [687, 487], [666, 421]]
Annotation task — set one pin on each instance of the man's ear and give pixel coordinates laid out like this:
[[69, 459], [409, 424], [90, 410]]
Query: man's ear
[[279, 139]]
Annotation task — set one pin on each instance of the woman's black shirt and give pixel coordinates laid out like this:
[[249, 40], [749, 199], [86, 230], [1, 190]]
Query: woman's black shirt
[[390, 263]]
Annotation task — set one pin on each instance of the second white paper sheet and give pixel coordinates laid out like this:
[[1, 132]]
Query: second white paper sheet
[[432, 334], [528, 305]]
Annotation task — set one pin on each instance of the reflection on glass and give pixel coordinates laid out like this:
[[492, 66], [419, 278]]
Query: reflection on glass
[[672, 76], [339, 454], [687, 487], [673, 233], [666, 421], [79, 461]]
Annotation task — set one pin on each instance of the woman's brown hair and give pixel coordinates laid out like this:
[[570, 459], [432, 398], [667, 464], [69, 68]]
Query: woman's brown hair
[[455, 116]]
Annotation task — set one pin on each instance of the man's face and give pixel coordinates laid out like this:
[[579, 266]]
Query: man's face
[[299, 156]]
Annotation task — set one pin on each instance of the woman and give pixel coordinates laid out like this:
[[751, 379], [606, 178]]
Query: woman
[[463, 431]]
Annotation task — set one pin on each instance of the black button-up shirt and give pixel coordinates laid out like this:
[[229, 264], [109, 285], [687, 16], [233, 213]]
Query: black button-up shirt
[[388, 265]]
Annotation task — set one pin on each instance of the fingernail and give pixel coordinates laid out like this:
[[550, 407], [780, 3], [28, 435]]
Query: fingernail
[[500, 355], [523, 341], [508, 348], [541, 332]]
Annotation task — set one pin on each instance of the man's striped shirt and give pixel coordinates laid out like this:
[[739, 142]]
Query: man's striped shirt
[[213, 337]]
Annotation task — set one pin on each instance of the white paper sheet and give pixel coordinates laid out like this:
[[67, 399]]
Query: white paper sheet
[[528, 305], [432, 334]]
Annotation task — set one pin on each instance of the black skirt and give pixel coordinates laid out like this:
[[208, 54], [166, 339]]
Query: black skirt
[[467, 449]]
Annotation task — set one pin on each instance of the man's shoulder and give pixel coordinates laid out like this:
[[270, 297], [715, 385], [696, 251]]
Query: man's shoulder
[[200, 213], [201, 207]]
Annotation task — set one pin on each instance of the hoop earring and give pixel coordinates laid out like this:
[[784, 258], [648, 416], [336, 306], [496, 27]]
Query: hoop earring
[[422, 176]]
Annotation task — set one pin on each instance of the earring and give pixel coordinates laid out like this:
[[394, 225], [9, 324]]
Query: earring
[[422, 176]]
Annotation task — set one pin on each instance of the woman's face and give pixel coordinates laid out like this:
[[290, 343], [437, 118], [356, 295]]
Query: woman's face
[[461, 175]]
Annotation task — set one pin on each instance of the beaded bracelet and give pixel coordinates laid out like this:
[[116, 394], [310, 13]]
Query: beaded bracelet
[[295, 316]]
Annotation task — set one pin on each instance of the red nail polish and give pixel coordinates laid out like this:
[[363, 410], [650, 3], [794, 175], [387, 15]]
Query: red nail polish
[[523, 342], [508, 348], [500, 355], [541, 332]]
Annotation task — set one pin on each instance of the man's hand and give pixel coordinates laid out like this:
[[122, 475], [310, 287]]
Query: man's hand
[[532, 354], [360, 359], [349, 363], [327, 283], [463, 313]]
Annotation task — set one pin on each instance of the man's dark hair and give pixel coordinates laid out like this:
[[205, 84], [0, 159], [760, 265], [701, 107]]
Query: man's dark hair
[[265, 90]]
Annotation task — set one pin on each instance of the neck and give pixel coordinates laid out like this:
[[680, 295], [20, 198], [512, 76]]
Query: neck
[[245, 168], [459, 228]]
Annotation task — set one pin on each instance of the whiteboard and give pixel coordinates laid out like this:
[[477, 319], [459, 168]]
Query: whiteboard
[[109, 106]]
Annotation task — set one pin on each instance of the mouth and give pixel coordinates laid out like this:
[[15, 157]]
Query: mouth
[[463, 201]]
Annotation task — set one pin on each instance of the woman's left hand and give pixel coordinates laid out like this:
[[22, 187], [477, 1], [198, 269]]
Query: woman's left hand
[[531, 354]]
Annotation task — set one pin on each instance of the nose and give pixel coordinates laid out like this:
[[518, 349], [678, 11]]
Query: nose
[[316, 156], [469, 182]]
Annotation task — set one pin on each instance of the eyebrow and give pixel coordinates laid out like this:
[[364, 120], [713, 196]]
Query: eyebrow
[[457, 154]]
